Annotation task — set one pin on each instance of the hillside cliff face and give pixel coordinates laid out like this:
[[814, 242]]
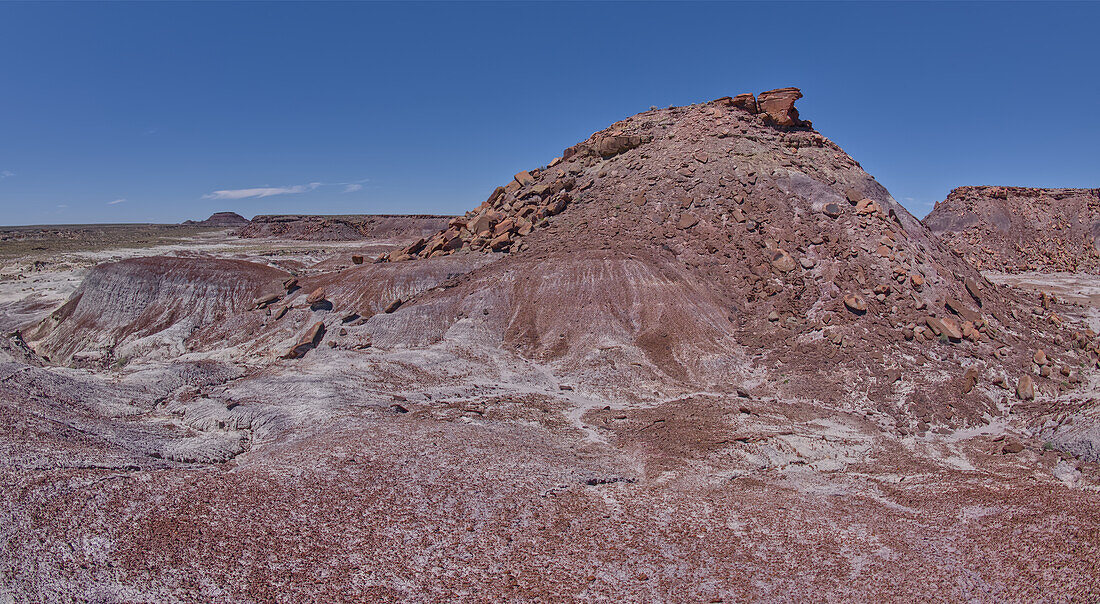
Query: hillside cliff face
[[1015, 229]]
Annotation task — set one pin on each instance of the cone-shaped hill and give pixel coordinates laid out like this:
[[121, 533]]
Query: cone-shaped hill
[[719, 244]]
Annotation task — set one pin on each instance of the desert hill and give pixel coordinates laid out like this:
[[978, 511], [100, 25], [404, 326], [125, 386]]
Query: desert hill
[[702, 356], [1016, 229], [703, 245]]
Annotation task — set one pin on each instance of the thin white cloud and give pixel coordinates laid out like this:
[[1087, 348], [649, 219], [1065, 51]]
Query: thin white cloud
[[6, 174], [116, 202], [62, 206], [259, 192]]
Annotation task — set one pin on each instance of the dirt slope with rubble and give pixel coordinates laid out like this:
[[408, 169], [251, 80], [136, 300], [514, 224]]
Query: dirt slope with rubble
[[1014, 229], [702, 356]]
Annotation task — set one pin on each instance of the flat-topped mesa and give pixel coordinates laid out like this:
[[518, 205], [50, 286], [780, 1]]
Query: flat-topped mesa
[[220, 219], [532, 196]]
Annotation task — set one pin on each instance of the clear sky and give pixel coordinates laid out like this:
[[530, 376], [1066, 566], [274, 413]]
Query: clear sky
[[137, 112]]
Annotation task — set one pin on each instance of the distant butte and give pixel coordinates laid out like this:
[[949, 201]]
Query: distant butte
[[220, 219]]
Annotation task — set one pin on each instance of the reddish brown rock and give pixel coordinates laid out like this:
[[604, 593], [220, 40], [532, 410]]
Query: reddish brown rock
[[609, 146], [524, 178], [500, 242], [483, 224], [964, 311], [1040, 358], [783, 262], [855, 303], [778, 105], [308, 342], [687, 221], [356, 259], [1025, 388], [316, 296], [867, 206], [970, 379], [265, 301], [746, 102]]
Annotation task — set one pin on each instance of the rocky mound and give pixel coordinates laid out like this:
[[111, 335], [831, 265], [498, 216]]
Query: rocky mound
[[713, 243], [220, 219], [344, 228], [1015, 229]]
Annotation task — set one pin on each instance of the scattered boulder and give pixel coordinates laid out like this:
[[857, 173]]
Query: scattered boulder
[[1040, 358], [316, 296], [855, 303], [687, 221], [1025, 388], [783, 262], [970, 379], [308, 342], [524, 178], [265, 301]]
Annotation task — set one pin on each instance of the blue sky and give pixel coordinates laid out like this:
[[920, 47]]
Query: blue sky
[[162, 112]]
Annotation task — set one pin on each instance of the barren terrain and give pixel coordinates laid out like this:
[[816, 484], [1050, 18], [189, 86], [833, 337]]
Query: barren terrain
[[702, 356]]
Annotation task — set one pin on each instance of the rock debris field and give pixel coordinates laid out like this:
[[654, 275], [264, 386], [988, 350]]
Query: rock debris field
[[701, 356]]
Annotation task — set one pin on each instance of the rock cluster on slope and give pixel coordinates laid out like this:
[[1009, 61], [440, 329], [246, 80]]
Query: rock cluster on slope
[[1015, 229]]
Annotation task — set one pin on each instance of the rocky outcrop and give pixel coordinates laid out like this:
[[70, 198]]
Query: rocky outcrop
[[778, 107], [1014, 229]]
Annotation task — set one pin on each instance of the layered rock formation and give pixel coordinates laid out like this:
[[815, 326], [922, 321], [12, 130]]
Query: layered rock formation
[[149, 307], [344, 228], [1015, 229]]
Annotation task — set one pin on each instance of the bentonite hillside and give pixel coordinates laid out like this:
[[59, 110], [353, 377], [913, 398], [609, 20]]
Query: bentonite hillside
[[1016, 229], [702, 356]]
